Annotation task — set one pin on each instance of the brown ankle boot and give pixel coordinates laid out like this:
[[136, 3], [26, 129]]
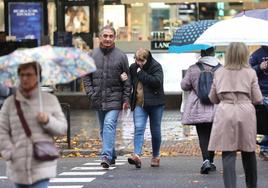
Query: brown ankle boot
[[155, 162], [135, 160]]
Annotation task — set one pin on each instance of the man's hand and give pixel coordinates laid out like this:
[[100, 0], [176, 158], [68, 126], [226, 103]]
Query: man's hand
[[125, 106], [123, 76], [264, 65]]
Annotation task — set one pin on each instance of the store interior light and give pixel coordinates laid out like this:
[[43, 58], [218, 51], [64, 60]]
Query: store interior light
[[158, 5], [137, 4]]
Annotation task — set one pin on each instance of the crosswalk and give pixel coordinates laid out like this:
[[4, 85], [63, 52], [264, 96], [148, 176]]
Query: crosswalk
[[78, 176]]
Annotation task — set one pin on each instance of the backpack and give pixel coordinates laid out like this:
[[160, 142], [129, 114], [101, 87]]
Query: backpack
[[204, 83]]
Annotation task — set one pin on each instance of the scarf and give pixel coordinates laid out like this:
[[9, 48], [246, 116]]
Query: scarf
[[106, 50]]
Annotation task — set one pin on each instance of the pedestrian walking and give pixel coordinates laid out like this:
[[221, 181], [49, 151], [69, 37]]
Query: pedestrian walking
[[108, 93], [147, 100], [235, 89], [259, 62], [195, 112], [15, 146]]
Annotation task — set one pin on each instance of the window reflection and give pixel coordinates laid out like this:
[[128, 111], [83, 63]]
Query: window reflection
[[2, 21]]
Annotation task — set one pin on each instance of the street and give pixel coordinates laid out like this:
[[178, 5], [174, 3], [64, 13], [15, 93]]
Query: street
[[174, 172]]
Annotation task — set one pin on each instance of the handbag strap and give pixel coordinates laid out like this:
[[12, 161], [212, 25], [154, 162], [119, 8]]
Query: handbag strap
[[22, 119]]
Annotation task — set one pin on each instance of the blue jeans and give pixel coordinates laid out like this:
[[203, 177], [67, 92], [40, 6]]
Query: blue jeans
[[39, 184], [264, 144], [108, 123], [140, 117]]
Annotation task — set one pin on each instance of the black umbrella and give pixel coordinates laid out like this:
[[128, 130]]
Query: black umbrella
[[184, 37]]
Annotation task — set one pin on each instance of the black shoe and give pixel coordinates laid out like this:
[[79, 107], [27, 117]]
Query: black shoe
[[113, 160], [212, 167], [105, 163], [205, 168], [263, 155]]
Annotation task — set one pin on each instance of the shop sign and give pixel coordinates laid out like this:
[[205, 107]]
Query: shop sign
[[160, 45]]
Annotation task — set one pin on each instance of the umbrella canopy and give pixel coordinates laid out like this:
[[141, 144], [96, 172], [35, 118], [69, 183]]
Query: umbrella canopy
[[59, 64], [256, 13], [184, 37], [245, 29]]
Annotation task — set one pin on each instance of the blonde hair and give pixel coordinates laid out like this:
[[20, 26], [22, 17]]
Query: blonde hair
[[237, 56], [142, 54]]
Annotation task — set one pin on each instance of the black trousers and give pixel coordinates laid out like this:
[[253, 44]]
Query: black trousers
[[203, 132], [249, 165]]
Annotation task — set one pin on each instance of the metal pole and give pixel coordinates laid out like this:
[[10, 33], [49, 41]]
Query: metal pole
[[197, 11]]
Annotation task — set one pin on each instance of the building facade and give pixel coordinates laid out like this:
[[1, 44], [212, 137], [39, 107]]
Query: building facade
[[140, 21]]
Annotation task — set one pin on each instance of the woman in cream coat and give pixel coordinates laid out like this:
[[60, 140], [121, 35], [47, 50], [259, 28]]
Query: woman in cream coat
[[15, 147], [235, 88]]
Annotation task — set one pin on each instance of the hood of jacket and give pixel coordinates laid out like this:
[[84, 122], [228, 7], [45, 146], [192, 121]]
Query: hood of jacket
[[209, 60]]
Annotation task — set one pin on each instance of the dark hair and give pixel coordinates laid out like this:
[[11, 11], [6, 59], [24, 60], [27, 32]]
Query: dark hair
[[265, 48], [108, 27], [208, 52], [34, 65]]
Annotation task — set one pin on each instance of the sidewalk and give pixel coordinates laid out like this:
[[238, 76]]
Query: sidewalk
[[176, 139]]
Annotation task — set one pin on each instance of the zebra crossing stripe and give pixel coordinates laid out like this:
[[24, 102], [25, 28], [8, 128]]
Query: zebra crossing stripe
[[92, 168], [82, 173], [3, 177], [67, 186], [117, 160], [71, 180], [98, 164]]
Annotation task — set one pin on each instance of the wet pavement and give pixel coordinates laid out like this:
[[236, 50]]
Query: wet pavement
[[176, 138]]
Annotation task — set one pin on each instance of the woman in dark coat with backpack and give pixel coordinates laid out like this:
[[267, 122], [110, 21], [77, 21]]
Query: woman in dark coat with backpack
[[199, 114]]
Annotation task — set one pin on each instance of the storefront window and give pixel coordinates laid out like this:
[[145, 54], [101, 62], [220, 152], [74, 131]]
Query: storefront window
[[2, 21], [77, 19], [51, 8]]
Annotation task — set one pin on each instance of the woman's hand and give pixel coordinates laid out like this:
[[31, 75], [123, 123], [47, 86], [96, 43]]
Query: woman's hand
[[123, 76], [42, 117]]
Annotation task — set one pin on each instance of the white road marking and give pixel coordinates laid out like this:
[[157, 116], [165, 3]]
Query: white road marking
[[71, 180], [92, 168], [97, 170], [98, 164], [117, 160], [67, 186], [3, 177], [82, 173]]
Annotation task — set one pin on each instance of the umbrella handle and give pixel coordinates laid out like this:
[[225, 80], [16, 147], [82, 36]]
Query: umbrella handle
[[40, 99]]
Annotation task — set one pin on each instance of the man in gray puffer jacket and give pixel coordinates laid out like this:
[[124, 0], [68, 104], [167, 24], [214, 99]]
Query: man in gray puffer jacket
[[108, 93]]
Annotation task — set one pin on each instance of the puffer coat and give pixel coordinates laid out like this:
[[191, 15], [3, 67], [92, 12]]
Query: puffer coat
[[152, 78], [194, 111], [104, 86], [17, 149], [234, 125]]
